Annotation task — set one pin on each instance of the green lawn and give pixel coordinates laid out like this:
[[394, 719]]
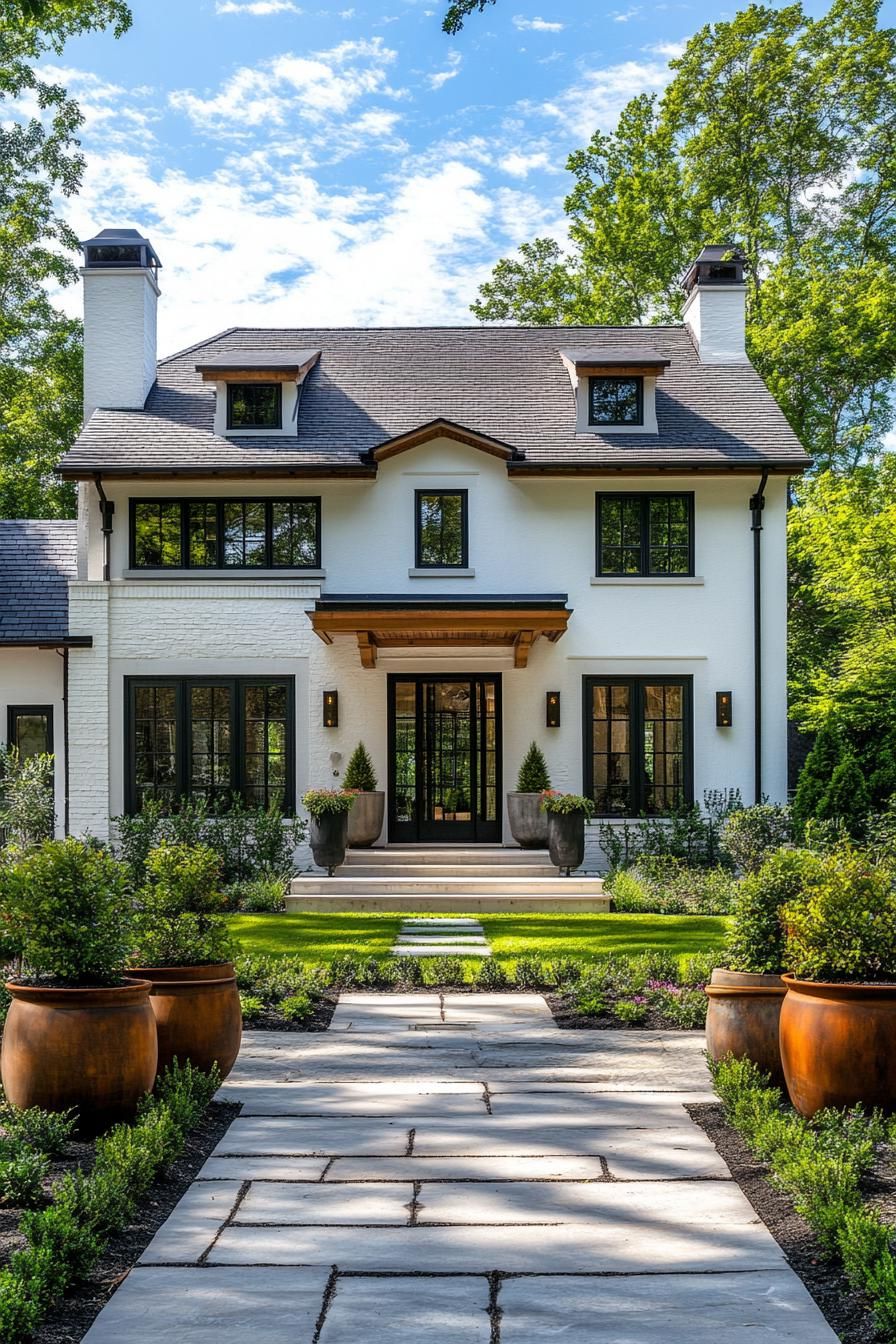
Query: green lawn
[[320, 937]]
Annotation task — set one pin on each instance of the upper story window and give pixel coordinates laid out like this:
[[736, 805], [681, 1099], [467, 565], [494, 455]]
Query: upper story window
[[225, 533], [254, 405], [615, 401], [442, 529], [642, 534]]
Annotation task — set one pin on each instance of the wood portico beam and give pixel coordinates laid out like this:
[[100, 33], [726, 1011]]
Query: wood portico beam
[[437, 627]]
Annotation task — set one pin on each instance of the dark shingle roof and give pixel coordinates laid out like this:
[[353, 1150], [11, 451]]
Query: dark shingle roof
[[37, 559], [506, 382]]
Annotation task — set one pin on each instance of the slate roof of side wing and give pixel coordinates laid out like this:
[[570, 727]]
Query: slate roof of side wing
[[510, 383], [37, 560]]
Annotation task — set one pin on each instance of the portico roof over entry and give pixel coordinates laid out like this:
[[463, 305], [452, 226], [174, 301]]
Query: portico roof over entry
[[396, 621]]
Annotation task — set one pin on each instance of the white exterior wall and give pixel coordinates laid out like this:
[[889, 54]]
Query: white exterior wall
[[716, 316], [532, 536], [35, 677], [119, 338]]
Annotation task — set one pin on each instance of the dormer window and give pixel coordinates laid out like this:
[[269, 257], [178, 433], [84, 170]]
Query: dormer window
[[254, 405], [615, 401]]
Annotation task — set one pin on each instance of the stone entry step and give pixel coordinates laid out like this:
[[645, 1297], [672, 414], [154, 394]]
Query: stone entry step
[[437, 886], [441, 938], [453, 855], [440, 869]]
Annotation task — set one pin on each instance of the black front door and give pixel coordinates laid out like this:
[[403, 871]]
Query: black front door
[[444, 759]]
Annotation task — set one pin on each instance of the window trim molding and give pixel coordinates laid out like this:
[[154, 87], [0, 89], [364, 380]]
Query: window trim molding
[[181, 685], [219, 501], [638, 379], [13, 712], [636, 723], [643, 497], [464, 564], [237, 429]]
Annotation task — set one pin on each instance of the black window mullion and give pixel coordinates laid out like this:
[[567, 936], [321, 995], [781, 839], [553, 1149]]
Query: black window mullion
[[182, 746], [237, 735], [645, 533], [269, 533], [639, 760]]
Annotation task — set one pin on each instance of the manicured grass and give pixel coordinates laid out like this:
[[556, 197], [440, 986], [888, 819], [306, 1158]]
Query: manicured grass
[[321, 937]]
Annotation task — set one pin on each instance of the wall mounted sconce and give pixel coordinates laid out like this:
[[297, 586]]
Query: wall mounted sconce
[[724, 710], [331, 709], [552, 709]]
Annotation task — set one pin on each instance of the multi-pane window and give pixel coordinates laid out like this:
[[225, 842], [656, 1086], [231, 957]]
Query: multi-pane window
[[254, 405], [638, 744], [615, 401], [441, 529], [225, 533], [645, 534], [30, 729], [210, 737]]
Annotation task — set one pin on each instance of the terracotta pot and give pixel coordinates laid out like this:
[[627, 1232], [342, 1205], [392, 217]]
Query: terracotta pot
[[743, 1018], [838, 1045], [528, 820], [94, 1049], [327, 836], [566, 840], [197, 1013], [365, 820]]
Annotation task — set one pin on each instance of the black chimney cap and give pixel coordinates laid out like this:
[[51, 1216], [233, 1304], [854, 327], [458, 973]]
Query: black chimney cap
[[717, 264], [112, 248]]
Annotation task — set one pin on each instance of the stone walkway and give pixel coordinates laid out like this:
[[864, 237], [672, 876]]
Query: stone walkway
[[456, 1170], [441, 938]]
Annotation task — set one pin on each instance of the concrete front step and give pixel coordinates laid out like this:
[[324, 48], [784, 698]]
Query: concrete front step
[[454, 855], [436, 870], [311, 885], [492, 903]]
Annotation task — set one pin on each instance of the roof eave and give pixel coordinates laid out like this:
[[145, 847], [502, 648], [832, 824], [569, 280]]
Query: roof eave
[[364, 470], [49, 642], [634, 467]]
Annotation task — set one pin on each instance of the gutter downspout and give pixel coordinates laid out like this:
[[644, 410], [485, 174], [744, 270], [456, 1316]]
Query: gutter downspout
[[757, 504], [67, 830], [107, 508]]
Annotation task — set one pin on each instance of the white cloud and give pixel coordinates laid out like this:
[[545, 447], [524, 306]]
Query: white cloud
[[517, 164], [536, 25], [596, 101], [671, 50], [256, 8], [624, 15], [442, 76]]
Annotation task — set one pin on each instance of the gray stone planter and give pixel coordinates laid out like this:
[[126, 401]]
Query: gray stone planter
[[365, 821], [528, 820], [566, 840], [327, 836]]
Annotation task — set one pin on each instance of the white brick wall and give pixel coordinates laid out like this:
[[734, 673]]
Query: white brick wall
[[119, 338]]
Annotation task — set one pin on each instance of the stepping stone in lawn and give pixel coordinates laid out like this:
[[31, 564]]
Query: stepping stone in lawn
[[441, 938]]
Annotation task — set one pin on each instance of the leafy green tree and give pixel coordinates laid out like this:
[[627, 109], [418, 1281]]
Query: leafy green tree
[[775, 133], [40, 161], [458, 11]]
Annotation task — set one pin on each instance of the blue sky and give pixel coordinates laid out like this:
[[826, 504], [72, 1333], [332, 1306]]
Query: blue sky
[[297, 164]]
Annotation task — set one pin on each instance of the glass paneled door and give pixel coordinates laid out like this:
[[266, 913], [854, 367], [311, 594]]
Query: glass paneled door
[[444, 759]]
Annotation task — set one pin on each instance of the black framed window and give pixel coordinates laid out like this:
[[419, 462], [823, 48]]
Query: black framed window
[[29, 728], [226, 533], [210, 737], [254, 405], [645, 534], [615, 401], [441, 528], [638, 744]]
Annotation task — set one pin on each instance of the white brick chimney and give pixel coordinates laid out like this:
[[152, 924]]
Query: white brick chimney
[[715, 308], [121, 294]]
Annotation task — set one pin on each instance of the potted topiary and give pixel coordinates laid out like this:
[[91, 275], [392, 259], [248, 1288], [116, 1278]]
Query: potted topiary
[[528, 819], [79, 1033], [838, 1019], [365, 820], [745, 996], [184, 950], [567, 814], [328, 832]]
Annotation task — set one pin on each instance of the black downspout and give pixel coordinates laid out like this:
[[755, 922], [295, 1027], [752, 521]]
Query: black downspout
[[107, 508], [757, 504], [65, 734]]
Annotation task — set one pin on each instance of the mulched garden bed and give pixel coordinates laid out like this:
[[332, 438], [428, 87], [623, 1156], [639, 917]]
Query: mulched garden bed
[[845, 1310], [76, 1313], [317, 1020], [566, 1016]]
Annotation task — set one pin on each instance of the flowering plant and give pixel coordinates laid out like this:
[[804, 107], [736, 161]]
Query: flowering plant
[[562, 804], [328, 802]]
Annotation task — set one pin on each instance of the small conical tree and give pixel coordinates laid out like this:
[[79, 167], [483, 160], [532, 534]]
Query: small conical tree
[[817, 772], [846, 799], [359, 773], [533, 776], [882, 780]]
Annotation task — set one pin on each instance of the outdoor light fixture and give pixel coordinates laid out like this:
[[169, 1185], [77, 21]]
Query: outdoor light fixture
[[331, 709], [552, 709], [724, 711]]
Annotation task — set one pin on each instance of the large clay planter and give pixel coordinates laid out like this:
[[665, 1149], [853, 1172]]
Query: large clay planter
[[94, 1049], [838, 1045], [197, 1014], [328, 836], [566, 840], [743, 1019], [365, 820], [528, 820]]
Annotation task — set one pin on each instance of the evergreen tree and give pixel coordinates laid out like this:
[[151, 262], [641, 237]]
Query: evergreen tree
[[846, 799], [359, 773], [817, 773], [533, 776]]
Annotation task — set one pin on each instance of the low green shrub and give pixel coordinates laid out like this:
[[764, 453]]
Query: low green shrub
[[588, 1000], [631, 1011], [442, 970], [65, 1240], [257, 895], [327, 802], [666, 885], [751, 834], [296, 1007], [179, 921], [679, 1006], [843, 925], [756, 942], [531, 973], [821, 1164], [27, 803], [490, 974], [252, 1008], [22, 1175], [46, 1132]]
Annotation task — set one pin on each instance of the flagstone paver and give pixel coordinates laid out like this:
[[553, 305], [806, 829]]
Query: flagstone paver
[[441, 938], [454, 1169]]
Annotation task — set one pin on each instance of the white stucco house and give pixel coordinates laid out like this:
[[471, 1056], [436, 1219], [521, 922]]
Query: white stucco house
[[444, 542]]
